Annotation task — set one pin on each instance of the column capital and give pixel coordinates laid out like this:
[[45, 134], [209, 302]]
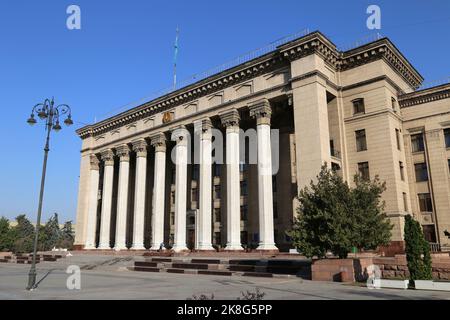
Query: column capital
[[140, 147], [179, 134], [203, 128], [123, 152], [261, 110], [158, 140], [230, 118], [108, 157], [94, 162]]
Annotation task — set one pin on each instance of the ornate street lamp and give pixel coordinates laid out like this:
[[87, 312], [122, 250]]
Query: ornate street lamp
[[50, 114]]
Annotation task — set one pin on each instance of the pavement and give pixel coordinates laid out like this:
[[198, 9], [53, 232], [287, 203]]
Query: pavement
[[107, 277]]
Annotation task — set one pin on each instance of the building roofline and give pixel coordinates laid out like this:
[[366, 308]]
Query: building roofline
[[435, 93], [314, 42]]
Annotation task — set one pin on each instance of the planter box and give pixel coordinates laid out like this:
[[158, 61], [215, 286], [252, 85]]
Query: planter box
[[393, 284], [432, 285]]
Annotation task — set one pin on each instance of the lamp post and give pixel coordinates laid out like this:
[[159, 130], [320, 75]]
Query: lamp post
[[50, 114]]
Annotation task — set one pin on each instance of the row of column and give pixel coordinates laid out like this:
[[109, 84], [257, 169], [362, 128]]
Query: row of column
[[260, 110]]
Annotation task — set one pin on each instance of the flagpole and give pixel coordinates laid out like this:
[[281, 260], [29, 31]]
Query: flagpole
[[175, 61]]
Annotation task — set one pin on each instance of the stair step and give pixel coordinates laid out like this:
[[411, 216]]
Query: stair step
[[190, 265], [215, 272], [207, 261], [146, 269], [174, 270], [258, 274], [145, 264], [161, 259]]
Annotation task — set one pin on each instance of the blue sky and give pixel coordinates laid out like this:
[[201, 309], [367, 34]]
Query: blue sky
[[124, 52]]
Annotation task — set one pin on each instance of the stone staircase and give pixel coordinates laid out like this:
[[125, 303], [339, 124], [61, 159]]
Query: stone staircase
[[269, 268], [27, 258]]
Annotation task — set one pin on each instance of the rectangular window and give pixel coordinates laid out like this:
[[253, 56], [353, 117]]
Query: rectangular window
[[361, 143], [363, 169], [217, 217], [405, 202], [417, 142], [447, 137], [397, 136], [216, 192], [195, 172], [425, 203], [244, 190], [194, 194], [244, 212], [402, 171], [217, 170], [394, 104], [421, 172], [358, 106]]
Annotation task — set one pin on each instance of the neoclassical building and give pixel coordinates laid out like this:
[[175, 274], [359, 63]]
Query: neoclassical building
[[356, 110]]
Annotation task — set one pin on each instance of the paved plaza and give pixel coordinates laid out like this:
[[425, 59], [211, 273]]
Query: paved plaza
[[107, 277]]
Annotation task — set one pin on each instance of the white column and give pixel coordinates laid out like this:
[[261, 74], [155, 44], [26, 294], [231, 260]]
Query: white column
[[230, 120], [262, 112], [204, 217], [108, 176], [94, 177], [158, 141], [140, 147], [123, 152], [180, 135]]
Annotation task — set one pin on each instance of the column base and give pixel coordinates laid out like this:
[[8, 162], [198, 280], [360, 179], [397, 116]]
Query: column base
[[104, 247], [88, 247], [157, 248], [267, 247], [180, 248], [234, 247], [205, 248], [120, 248], [138, 247]]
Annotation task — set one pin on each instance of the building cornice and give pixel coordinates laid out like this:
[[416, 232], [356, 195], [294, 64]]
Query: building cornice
[[425, 96], [313, 43]]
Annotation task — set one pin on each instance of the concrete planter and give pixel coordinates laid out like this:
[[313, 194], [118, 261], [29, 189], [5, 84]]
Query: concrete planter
[[393, 284], [432, 285]]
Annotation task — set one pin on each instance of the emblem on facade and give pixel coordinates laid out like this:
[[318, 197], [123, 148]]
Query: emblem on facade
[[167, 117]]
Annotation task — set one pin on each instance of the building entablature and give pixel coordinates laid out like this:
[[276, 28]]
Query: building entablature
[[313, 43]]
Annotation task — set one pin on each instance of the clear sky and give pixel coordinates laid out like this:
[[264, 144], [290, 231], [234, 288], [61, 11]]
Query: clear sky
[[124, 52]]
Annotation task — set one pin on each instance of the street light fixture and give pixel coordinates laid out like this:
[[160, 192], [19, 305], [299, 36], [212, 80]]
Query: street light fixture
[[51, 114]]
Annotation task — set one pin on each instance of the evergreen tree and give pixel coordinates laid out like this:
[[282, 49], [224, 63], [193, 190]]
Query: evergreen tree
[[417, 251], [6, 239], [67, 237], [333, 217], [372, 228], [23, 235], [51, 233]]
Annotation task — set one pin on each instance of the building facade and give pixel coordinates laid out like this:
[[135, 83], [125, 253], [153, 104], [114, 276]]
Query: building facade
[[355, 110]]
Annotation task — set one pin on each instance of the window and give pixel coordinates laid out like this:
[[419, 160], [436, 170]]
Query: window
[[363, 169], [397, 136], [417, 142], [402, 171], [421, 172], [217, 170], [194, 194], [217, 217], [244, 212], [405, 201], [217, 239], [394, 104], [358, 106], [447, 137], [195, 172], [361, 144], [429, 233], [425, 203], [244, 190], [216, 192]]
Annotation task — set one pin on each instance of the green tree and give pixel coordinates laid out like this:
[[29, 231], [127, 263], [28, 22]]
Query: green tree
[[6, 236], [417, 251], [23, 235], [372, 227], [333, 217], [67, 237], [51, 233]]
